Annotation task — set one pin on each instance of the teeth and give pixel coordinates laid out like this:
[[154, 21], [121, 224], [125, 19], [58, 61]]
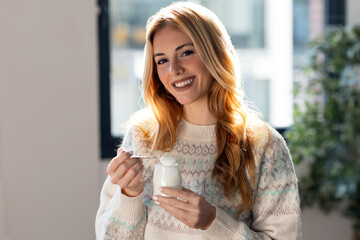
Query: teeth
[[184, 83]]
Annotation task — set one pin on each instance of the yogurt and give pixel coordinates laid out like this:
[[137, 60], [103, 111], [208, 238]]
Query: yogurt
[[166, 174]]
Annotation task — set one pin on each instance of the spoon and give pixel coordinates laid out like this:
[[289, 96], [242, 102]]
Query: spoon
[[144, 157]]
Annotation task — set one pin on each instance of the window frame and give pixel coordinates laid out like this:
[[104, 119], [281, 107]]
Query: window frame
[[108, 142]]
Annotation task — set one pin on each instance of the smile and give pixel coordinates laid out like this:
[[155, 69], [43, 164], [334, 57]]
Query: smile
[[184, 83]]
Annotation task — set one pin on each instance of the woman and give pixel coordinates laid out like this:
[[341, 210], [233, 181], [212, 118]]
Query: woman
[[238, 177]]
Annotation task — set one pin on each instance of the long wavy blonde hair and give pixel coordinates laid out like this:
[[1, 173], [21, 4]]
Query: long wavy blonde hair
[[235, 166]]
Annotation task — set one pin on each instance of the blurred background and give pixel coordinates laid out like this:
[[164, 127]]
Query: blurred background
[[69, 79]]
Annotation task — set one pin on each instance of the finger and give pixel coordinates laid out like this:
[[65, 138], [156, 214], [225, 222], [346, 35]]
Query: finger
[[176, 193], [123, 168], [172, 209], [112, 166], [134, 182], [116, 161], [173, 202], [129, 175]]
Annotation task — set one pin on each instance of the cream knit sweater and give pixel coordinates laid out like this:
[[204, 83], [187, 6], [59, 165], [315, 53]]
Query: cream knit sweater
[[275, 214]]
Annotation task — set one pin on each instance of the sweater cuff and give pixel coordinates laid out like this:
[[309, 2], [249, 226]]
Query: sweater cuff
[[130, 208], [223, 226]]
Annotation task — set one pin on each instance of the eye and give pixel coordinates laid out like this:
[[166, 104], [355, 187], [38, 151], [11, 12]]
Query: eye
[[161, 61], [187, 52]]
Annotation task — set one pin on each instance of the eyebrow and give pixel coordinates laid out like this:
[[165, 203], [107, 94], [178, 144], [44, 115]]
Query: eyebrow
[[176, 49]]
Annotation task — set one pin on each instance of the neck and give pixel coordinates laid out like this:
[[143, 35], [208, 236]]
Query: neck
[[198, 115]]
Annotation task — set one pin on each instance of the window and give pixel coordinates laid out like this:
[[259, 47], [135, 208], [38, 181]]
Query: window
[[311, 18], [262, 36]]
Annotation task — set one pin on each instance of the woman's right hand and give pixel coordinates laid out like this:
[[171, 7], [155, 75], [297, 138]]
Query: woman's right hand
[[127, 173]]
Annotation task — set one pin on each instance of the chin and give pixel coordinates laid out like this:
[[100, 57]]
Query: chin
[[184, 101]]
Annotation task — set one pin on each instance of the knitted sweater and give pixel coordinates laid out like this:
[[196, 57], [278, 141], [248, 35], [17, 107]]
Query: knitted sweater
[[275, 213]]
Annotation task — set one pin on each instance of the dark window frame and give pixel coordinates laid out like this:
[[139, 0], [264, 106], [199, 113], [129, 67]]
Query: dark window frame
[[108, 142], [335, 12]]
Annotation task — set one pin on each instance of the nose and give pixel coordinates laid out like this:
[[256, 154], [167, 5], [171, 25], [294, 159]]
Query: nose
[[175, 67]]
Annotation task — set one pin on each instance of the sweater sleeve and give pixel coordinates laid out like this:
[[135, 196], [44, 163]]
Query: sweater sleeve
[[119, 216], [276, 209]]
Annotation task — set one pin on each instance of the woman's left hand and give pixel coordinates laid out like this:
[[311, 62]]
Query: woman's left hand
[[187, 206]]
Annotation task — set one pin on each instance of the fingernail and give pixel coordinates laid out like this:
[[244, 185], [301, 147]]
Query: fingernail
[[156, 202], [154, 198]]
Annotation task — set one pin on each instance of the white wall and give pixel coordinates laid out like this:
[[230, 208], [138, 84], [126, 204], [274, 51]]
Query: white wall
[[352, 10], [49, 132]]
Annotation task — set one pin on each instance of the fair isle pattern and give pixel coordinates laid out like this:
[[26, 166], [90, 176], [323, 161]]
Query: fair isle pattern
[[275, 191], [127, 225], [276, 168], [117, 233], [160, 219], [271, 191], [194, 150]]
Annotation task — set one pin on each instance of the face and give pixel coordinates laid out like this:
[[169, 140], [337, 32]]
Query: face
[[180, 67]]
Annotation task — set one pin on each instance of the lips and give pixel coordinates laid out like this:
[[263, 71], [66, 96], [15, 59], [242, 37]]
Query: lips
[[183, 82]]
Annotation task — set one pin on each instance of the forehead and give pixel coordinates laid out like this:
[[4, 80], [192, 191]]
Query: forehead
[[169, 38]]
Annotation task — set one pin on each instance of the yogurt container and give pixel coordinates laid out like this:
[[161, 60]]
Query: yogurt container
[[166, 174]]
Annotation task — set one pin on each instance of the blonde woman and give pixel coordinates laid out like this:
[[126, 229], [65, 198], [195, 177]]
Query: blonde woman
[[238, 177]]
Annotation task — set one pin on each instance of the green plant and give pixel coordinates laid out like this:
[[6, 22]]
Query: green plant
[[326, 129]]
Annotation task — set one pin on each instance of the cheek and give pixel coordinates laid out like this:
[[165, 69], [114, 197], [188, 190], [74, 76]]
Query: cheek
[[198, 66], [162, 73], [207, 76]]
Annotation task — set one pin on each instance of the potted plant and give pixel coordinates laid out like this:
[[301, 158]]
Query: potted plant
[[326, 130]]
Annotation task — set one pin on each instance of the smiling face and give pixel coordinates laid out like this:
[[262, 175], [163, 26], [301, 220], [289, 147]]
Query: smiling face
[[180, 68]]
